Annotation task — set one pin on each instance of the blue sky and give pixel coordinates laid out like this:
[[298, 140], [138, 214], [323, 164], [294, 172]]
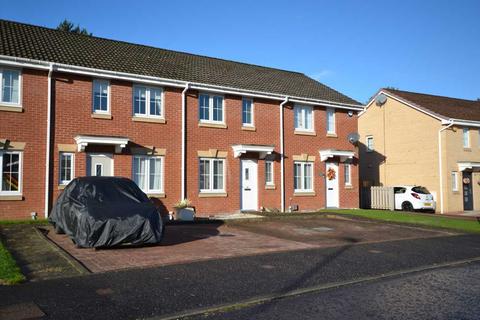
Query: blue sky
[[355, 47]]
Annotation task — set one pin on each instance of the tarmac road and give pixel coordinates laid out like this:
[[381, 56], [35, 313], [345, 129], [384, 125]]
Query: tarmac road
[[191, 289]]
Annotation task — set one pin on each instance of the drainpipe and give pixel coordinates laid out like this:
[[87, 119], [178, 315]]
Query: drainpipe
[[440, 164], [282, 164], [47, 152], [184, 126]]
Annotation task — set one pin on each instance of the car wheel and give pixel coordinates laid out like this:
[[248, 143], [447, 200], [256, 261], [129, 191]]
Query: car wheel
[[407, 206]]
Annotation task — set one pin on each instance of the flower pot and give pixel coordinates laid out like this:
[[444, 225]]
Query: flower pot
[[185, 214]]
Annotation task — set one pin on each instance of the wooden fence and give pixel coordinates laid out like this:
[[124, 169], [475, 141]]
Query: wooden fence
[[382, 198]]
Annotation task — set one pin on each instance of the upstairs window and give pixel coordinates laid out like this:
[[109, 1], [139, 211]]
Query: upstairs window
[[10, 86], [101, 89], [369, 144], [330, 121], [247, 112], [147, 101], [466, 138], [211, 108], [303, 118]]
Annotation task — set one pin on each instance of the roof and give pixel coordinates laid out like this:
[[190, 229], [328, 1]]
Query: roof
[[45, 44], [445, 107]]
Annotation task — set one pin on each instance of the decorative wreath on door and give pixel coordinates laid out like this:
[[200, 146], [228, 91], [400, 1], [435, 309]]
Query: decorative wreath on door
[[331, 174], [466, 180]]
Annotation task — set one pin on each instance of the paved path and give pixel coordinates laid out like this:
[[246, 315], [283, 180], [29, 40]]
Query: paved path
[[196, 242], [175, 289]]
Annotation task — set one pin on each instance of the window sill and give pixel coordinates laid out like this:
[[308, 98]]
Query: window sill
[[157, 195], [332, 135], [270, 187], [348, 186], [212, 125], [304, 194], [16, 197], [61, 186], [212, 195], [7, 107], [467, 149], [101, 116], [305, 133], [456, 192], [148, 119], [248, 128]]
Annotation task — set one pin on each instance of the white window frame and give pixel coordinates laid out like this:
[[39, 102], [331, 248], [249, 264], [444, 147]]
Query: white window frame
[[72, 159], [466, 134], [211, 175], [332, 112], [252, 112], [211, 97], [108, 96], [272, 180], [302, 176], [12, 104], [20, 173], [303, 116], [347, 177], [147, 159], [147, 102], [367, 146], [454, 177]]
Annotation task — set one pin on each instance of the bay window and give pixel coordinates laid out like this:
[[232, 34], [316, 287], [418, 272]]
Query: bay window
[[148, 174]]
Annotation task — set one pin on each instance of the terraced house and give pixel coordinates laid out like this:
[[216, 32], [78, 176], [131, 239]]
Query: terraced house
[[228, 136]]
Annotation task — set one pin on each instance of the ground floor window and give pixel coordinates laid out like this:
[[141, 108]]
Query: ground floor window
[[147, 172], [269, 173], [66, 167], [454, 181], [303, 176], [10, 172], [212, 177], [348, 174]]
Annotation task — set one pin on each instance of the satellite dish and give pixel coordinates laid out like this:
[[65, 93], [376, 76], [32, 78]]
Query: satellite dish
[[381, 99], [353, 137]]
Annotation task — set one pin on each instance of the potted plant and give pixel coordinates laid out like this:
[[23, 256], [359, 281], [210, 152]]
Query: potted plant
[[184, 210]]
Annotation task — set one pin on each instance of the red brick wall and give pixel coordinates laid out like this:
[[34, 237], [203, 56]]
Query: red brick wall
[[29, 127], [297, 144], [72, 116]]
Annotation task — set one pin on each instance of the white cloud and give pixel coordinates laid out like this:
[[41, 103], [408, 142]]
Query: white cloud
[[321, 74]]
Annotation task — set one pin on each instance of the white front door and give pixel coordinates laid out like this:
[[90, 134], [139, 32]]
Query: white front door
[[331, 173], [249, 184], [99, 164]]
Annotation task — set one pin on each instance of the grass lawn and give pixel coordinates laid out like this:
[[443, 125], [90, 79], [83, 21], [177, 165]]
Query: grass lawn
[[413, 218], [9, 271]]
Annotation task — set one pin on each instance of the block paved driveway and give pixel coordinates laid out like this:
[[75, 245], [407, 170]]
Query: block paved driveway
[[204, 241]]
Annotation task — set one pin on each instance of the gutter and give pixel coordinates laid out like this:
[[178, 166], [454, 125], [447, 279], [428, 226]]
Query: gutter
[[282, 157], [47, 152], [37, 64], [184, 127], [440, 164]]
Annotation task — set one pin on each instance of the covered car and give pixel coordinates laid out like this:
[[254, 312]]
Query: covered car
[[100, 212]]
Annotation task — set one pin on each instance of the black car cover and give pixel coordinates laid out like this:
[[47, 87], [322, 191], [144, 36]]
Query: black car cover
[[106, 211]]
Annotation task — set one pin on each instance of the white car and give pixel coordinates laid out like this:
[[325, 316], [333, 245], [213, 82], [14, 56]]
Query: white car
[[411, 198]]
